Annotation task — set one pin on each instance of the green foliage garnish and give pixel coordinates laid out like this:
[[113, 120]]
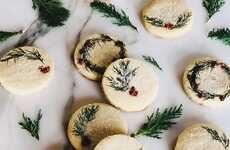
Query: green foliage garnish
[[51, 12], [182, 20], [222, 34], [213, 6], [87, 114], [18, 53], [109, 11], [123, 76], [32, 126], [6, 35], [159, 121], [215, 136], [152, 61]]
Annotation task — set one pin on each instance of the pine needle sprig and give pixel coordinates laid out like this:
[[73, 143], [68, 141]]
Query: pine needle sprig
[[124, 75], [152, 61], [215, 135], [18, 53], [159, 121], [222, 34], [109, 11], [213, 6], [32, 126], [87, 114], [6, 35], [51, 12]]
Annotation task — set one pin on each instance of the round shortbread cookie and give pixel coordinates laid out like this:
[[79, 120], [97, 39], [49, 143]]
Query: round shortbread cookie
[[130, 84], [167, 18], [95, 53], [119, 142], [202, 137], [207, 81], [25, 70], [92, 123]]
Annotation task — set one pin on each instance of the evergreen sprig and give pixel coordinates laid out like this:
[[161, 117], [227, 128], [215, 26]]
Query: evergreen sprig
[[109, 11], [213, 6], [6, 35], [159, 121], [222, 34], [18, 53], [181, 21], [123, 76], [215, 136], [152, 61], [87, 114], [32, 126], [51, 12]]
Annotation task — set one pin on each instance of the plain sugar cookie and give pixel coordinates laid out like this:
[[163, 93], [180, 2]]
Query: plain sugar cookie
[[25, 70], [95, 53], [130, 84], [202, 137], [167, 18], [92, 123], [207, 81], [119, 142]]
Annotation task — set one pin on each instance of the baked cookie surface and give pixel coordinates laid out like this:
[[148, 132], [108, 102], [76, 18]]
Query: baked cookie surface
[[25, 70], [92, 123], [95, 53], [130, 84], [207, 81], [202, 137], [167, 18], [119, 142]]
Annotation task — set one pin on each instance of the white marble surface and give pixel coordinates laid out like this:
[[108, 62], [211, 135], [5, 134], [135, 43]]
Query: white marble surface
[[68, 85]]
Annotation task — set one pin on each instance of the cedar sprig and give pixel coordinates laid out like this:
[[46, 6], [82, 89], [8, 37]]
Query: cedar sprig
[[159, 121], [123, 76], [154, 21], [18, 53], [32, 126], [183, 19], [51, 12], [109, 11], [213, 6], [87, 114], [222, 34], [215, 136], [6, 35], [152, 61]]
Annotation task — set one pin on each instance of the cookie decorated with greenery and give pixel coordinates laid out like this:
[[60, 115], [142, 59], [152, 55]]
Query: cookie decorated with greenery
[[130, 84], [202, 137], [25, 70], [92, 123], [95, 53], [168, 18], [207, 81]]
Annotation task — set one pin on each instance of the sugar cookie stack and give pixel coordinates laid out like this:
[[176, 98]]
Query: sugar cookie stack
[[129, 85]]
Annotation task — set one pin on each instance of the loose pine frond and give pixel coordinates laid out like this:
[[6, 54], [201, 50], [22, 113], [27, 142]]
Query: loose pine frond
[[215, 136], [222, 34], [109, 11], [152, 61], [51, 12], [159, 121], [18, 53], [87, 114], [6, 35], [32, 126], [213, 6]]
